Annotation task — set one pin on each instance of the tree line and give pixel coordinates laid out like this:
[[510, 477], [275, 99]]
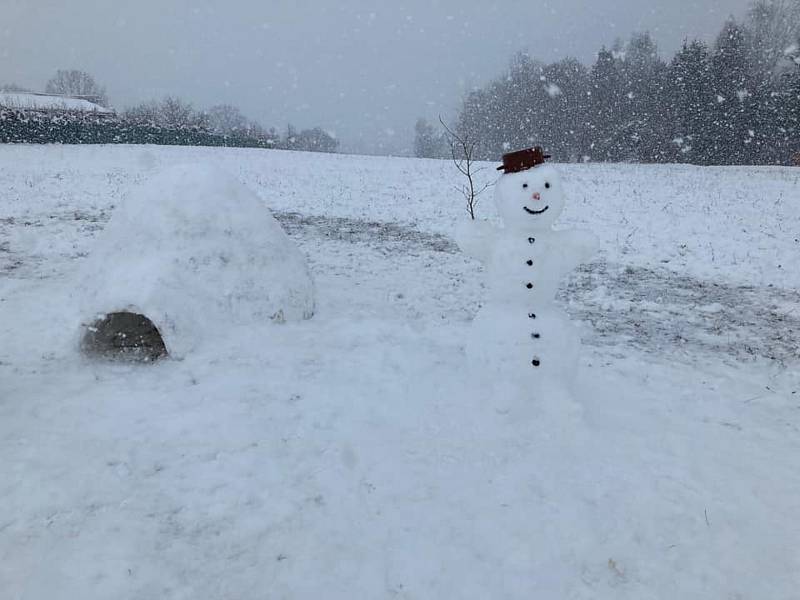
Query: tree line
[[227, 121], [736, 101], [170, 120]]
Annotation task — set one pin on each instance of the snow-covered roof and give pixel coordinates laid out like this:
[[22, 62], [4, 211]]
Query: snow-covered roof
[[33, 101]]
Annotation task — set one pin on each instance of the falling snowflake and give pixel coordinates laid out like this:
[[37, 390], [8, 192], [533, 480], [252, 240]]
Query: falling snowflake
[[552, 90]]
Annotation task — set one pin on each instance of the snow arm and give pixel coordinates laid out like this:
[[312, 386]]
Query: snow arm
[[476, 238], [579, 247]]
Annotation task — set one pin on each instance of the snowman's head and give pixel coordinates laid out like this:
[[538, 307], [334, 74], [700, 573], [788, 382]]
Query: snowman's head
[[529, 200]]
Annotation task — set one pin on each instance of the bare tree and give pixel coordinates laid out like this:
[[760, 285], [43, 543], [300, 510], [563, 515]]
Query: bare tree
[[463, 150], [258, 131], [168, 112], [175, 112], [226, 119], [145, 112], [77, 83], [774, 28]]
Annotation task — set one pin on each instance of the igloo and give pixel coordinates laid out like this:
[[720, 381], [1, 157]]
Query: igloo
[[187, 255]]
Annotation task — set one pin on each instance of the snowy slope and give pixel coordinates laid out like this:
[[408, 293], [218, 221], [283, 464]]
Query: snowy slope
[[48, 102], [352, 455]]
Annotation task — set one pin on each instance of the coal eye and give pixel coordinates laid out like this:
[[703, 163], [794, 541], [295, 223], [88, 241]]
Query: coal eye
[[547, 185], [524, 185]]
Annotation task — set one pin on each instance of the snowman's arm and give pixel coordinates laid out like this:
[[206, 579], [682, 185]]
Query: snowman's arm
[[476, 238], [579, 246]]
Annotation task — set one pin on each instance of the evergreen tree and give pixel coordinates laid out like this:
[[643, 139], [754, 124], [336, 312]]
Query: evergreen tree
[[643, 109], [789, 101], [732, 132], [691, 103], [315, 140], [737, 103], [605, 112], [562, 123]]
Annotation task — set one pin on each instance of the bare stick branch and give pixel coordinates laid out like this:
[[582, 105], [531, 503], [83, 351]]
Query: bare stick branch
[[462, 150]]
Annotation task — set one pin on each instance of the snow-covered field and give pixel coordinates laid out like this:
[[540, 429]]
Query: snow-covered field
[[354, 455]]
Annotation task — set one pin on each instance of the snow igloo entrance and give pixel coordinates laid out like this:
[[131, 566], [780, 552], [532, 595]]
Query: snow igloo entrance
[[125, 336]]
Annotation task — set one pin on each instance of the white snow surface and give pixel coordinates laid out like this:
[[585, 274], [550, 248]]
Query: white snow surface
[[194, 250], [47, 102], [354, 455]]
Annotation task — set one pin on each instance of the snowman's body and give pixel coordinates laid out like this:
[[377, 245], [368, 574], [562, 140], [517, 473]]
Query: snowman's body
[[521, 335]]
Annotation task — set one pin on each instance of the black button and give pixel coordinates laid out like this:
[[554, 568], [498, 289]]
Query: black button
[[529, 286], [536, 362], [530, 263], [531, 316], [535, 336], [531, 240]]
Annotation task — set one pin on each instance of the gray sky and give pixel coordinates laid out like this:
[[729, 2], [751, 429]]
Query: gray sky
[[360, 69]]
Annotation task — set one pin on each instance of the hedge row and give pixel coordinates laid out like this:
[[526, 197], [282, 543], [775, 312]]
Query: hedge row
[[42, 127]]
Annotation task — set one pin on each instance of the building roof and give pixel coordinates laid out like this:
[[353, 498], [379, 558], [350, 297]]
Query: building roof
[[35, 101]]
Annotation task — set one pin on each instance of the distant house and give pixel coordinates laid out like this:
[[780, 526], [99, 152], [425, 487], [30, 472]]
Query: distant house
[[50, 103]]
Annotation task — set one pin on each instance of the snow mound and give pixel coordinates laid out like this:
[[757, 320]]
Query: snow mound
[[195, 252]]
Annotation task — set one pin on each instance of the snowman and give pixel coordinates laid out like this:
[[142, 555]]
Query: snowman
[[521, 337]]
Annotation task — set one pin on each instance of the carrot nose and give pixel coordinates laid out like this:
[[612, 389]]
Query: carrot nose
[[537, 196]]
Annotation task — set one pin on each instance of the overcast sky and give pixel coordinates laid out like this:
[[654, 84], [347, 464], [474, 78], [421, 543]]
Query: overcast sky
[[360, 69]]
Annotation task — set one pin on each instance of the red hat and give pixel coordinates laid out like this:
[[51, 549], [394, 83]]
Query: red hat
[[514, 162]]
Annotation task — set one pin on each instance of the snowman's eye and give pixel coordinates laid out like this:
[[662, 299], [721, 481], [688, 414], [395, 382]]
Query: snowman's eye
[[547, 185], [524, 185]]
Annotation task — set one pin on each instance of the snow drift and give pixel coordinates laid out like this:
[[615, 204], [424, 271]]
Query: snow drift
[[194, 251]]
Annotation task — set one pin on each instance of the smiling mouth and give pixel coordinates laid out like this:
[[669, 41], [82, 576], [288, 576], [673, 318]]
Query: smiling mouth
[[535, 212]]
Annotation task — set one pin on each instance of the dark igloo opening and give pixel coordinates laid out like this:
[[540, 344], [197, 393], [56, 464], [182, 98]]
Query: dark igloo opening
[[124, 336]]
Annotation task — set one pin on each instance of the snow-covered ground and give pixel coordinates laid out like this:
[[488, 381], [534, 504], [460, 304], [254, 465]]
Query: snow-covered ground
[[353, 455], [49, 102]]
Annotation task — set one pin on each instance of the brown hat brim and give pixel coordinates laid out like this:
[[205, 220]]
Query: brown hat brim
[[522, 160]]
